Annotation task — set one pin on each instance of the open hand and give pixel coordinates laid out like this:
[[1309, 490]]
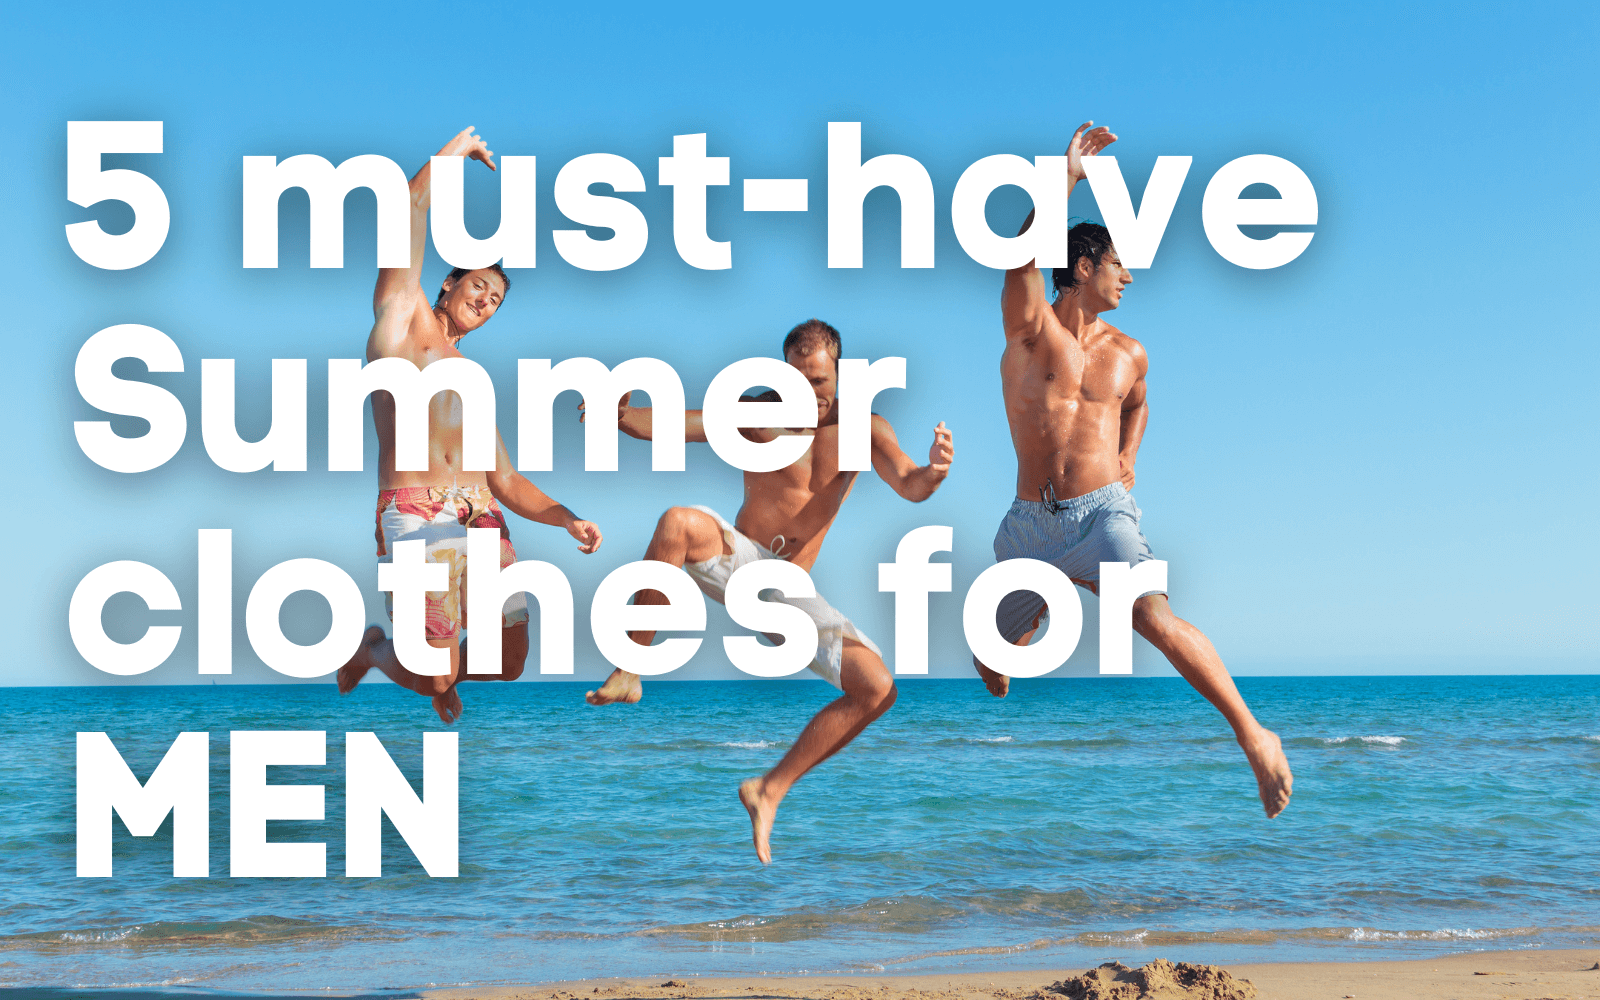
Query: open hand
[[586, 532], [1086, 143], [471, 146], [943, 451], [1125, 467]]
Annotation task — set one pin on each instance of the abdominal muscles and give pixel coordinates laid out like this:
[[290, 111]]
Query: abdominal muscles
[[1068, 444]]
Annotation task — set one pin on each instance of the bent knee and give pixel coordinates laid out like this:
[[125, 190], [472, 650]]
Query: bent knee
[[677, 521], [876, 692], [693, 531], [1152, 615], [889, 698]]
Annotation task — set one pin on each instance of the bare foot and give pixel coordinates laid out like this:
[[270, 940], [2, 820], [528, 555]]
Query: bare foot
[[620, 688], [448, 705], [997, 683], [1273, 779], [752, 793], [351, 673]]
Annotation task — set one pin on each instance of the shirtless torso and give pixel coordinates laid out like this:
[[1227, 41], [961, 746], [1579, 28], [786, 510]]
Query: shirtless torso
[[1073, 383], [795, 506], [413, 331], [1075, 403]]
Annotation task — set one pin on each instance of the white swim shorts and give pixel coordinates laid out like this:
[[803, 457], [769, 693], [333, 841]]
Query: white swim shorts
[[832, 627]]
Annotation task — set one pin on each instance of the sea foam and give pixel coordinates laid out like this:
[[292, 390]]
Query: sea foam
[[1388, 741]]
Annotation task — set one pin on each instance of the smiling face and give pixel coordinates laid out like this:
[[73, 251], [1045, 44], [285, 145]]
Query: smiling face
[[1102, 286], [469, 301], [822, 371]]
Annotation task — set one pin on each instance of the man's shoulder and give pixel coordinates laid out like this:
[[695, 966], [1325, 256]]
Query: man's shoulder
[[1116, 332], [881, 425], [1125, 342], [830, 430], [419, 340]]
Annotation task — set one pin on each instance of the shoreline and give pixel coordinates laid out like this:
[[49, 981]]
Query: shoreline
[[1534, 974]]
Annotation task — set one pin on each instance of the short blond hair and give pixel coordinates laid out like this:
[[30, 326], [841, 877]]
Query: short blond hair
[[812, 334]]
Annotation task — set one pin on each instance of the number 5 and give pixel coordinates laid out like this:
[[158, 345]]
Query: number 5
[[88, 185]]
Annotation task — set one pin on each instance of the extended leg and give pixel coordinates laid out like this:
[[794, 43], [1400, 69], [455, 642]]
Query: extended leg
[[1192, 654], [683, 535], [378, 651], [513, 655], [869, 692], [999, 684], [513, 638]]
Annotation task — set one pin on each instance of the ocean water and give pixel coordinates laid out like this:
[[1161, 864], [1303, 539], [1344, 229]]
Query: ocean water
[[1077, 821]]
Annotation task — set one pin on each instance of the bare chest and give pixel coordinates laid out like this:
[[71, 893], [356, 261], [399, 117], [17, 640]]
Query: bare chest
[[1056, 368], [815, 473], [444, 408]]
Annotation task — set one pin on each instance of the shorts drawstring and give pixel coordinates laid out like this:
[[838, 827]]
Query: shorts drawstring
[[1051, 504]]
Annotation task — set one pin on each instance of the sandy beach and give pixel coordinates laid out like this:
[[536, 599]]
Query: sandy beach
[[1503, 975]]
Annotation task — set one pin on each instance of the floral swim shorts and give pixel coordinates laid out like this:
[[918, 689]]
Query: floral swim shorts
[[440, 516]]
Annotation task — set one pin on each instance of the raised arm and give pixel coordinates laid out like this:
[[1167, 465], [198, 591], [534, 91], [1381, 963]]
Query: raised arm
[[524, 499], [915, 483], [398, 294], [1023, 299], [1135, 412]]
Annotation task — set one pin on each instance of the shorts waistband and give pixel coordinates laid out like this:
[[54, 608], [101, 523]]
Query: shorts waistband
[[436, 494], [1074, 505]]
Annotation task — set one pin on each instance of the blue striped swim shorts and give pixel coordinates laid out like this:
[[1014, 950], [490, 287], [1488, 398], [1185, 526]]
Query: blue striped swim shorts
[[1075, 536]]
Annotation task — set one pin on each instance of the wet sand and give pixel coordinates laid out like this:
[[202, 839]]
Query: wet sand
[[1511, 975]]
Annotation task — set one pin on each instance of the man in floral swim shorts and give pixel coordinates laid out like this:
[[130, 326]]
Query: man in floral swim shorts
[[436, 506]]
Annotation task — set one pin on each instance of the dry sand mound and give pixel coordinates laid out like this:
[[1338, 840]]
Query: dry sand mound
[[1159, 980]]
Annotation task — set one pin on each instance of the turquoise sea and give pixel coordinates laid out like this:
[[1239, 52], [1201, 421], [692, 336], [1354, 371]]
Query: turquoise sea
[[1077, 821]]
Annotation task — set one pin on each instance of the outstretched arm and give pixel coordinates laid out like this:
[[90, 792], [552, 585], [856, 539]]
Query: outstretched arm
[[900, 471], [639, 421], [524, 499], [399, 290], [1023, 300]]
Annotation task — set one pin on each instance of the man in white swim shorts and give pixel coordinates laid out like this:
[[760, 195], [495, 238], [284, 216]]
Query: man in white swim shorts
[[833, 628], [786, 515], [1075, 398]]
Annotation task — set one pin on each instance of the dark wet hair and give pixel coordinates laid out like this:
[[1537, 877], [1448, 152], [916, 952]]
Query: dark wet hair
[[812, 334], [458, 272], [1086, 239]]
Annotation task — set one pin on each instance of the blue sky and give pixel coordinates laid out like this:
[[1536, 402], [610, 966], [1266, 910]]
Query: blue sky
[[1378, 458]]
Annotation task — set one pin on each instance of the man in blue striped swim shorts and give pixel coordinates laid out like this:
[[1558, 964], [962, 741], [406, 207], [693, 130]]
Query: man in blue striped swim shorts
[[1075, 398], [1075, 536]]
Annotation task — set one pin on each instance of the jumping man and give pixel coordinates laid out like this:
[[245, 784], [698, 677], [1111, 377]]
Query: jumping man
[[786, 515], [1075, 397], [437, 506]]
